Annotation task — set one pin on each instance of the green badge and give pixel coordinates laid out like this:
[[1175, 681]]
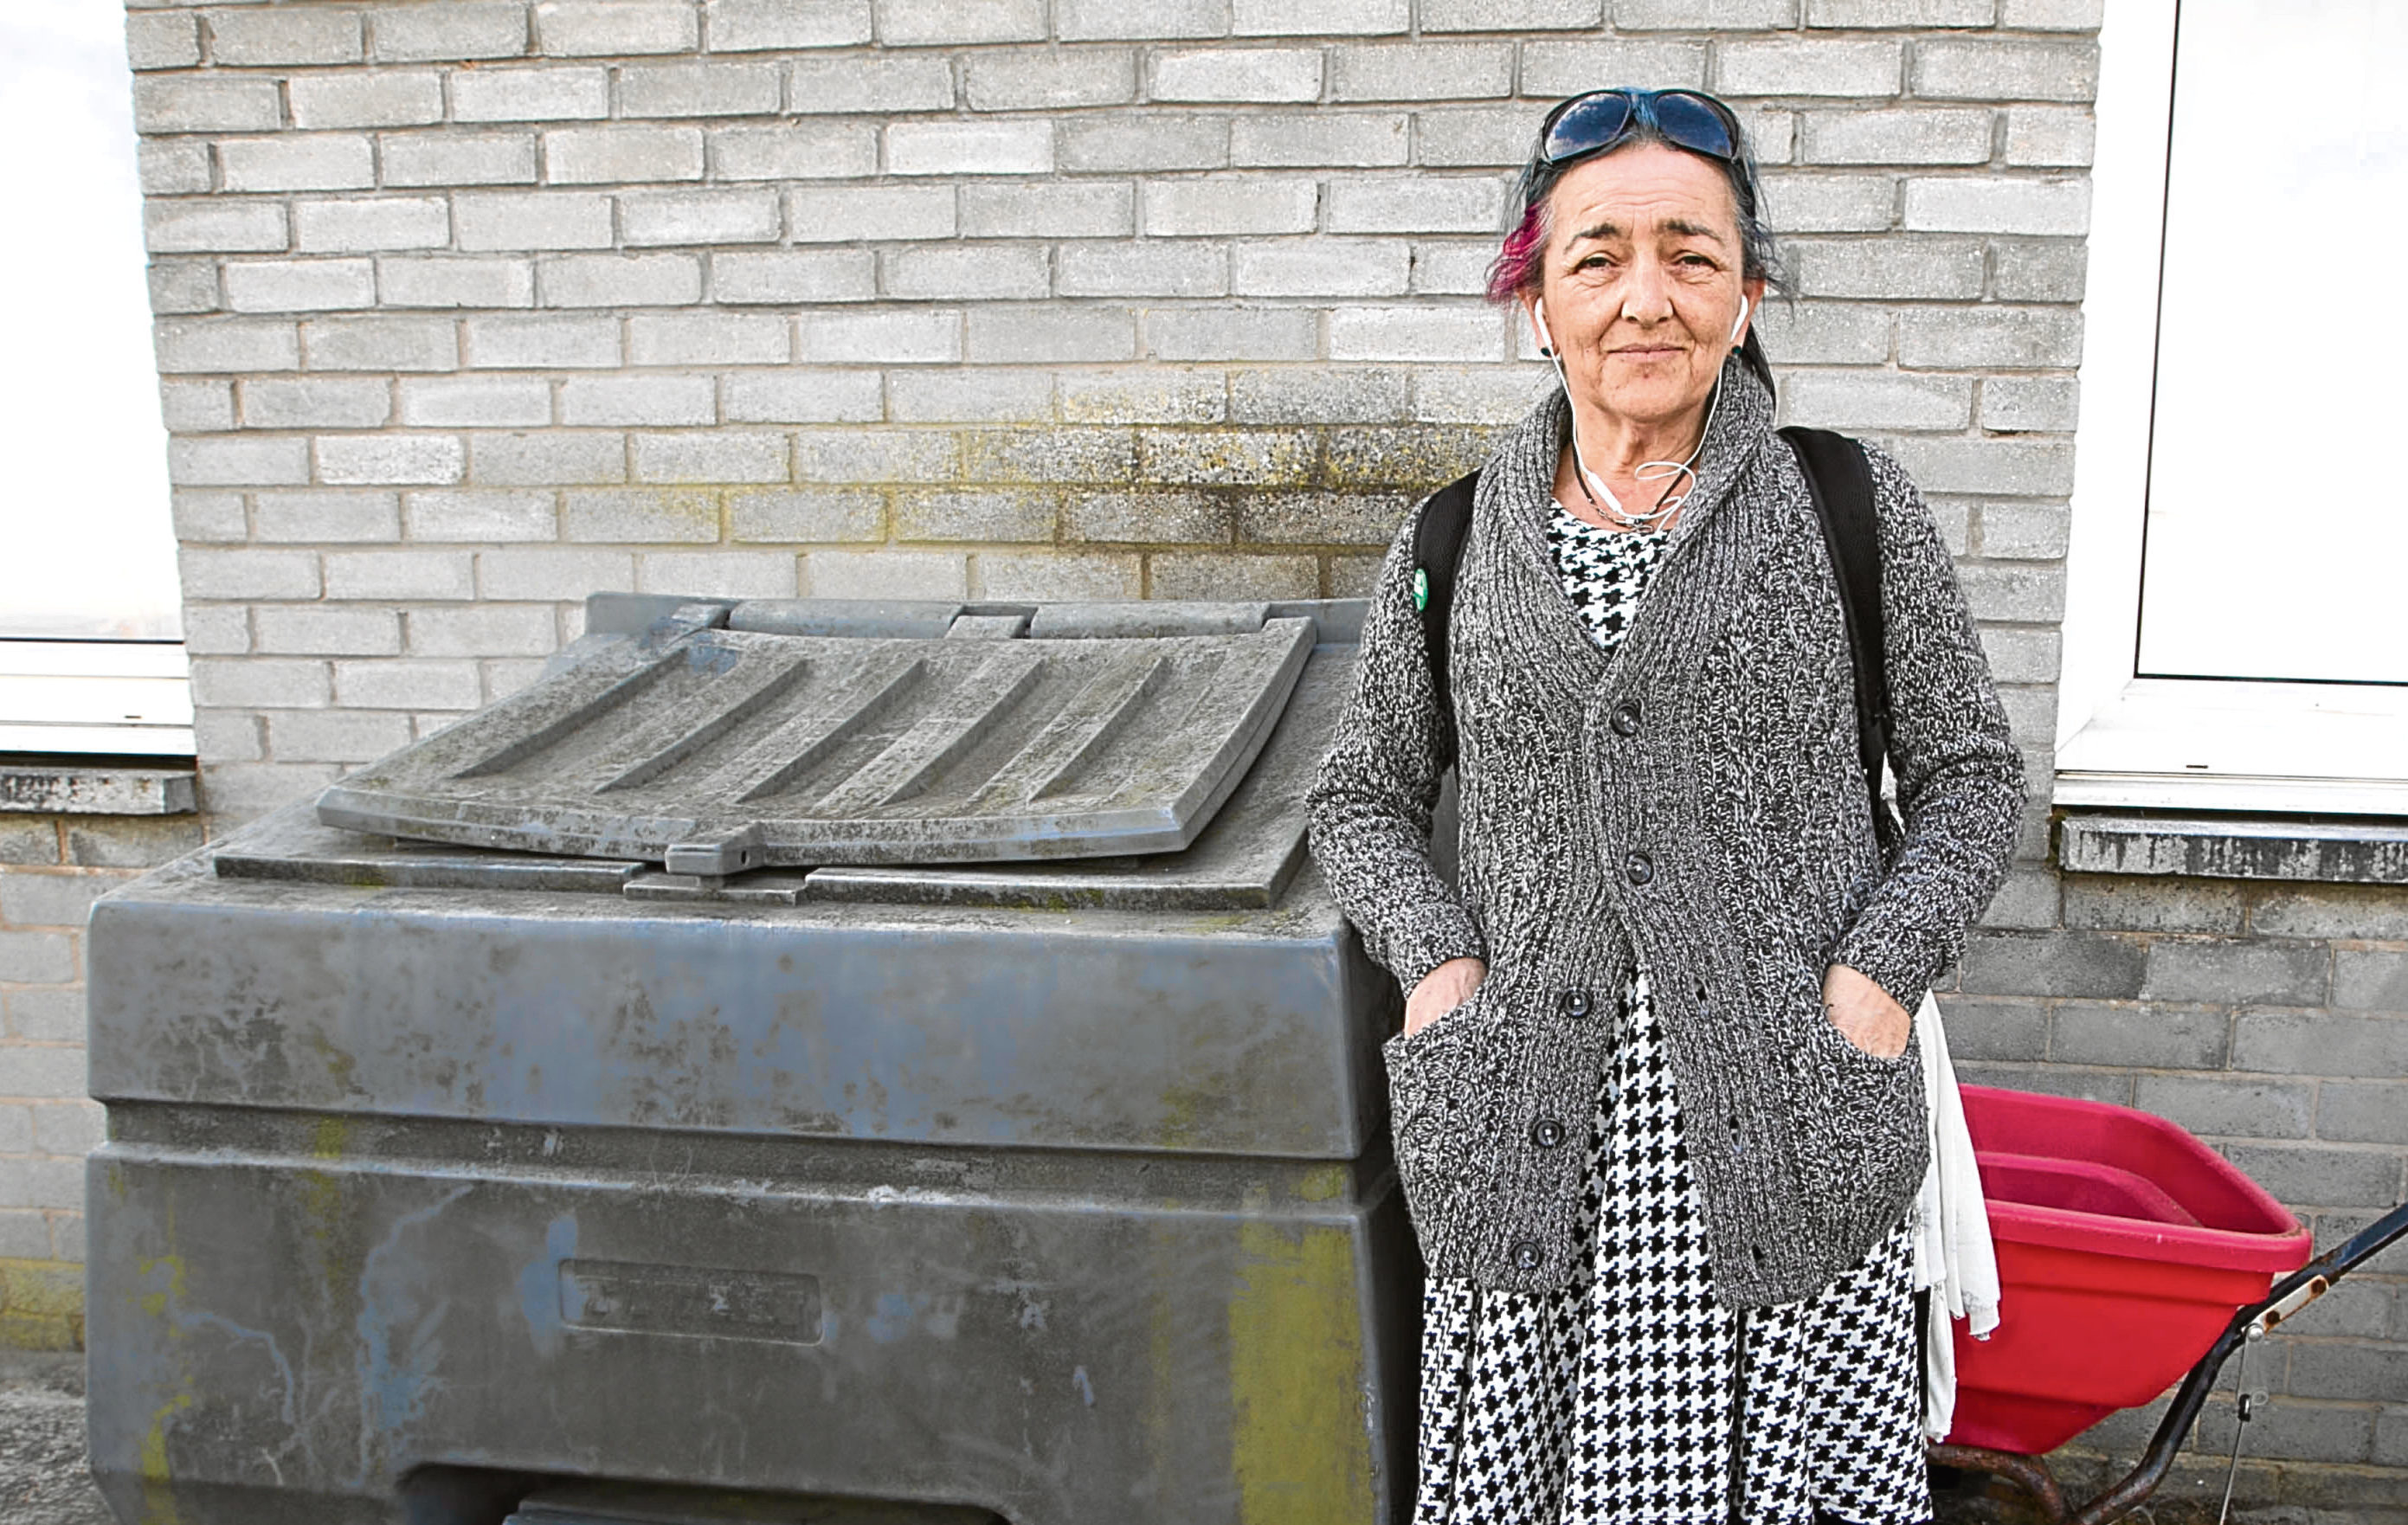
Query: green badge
[[1421, 590]]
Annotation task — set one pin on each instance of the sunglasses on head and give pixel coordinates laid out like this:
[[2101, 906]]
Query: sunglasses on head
[[1591, 123]]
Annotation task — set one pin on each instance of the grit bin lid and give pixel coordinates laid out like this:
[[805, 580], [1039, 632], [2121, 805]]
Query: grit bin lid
[[725, 737]]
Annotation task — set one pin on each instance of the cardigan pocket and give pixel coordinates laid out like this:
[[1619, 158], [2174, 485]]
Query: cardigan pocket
[[1434, 1096], [1861, 1132]]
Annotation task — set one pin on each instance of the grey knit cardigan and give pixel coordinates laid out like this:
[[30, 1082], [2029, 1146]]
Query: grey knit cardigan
[[1695, 804]]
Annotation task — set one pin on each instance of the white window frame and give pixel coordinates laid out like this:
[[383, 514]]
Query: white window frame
[[110, 698], [2178, 744]]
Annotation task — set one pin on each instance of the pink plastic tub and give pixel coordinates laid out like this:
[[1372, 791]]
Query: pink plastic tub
[[2124, 1247]]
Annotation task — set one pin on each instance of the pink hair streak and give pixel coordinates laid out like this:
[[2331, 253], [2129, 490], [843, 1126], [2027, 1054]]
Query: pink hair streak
[[1516, 265]]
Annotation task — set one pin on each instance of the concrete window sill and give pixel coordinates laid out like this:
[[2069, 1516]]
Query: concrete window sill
[[94, 789], [2331, 851]]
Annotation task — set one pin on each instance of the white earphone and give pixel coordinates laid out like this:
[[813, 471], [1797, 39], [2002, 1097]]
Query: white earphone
[[1741, 321]]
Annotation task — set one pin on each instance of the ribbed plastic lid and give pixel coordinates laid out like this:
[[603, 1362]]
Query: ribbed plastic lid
[[713, 750]]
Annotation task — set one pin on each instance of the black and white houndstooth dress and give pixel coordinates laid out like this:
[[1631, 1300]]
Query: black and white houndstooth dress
[[1634, 1398]]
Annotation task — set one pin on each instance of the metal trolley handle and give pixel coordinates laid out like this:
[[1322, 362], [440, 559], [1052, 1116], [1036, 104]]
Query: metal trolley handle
[[2249, 1324]]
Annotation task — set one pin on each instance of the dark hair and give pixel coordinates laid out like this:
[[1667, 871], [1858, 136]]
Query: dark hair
[[1515, 268]]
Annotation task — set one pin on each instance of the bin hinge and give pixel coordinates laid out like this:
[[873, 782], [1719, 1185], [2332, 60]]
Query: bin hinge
[[718, 858]]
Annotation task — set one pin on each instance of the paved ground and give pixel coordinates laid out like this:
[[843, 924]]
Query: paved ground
[[42, 1480]]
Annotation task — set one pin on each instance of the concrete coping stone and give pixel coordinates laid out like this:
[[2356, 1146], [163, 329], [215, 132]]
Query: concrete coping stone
[[2334, 850], [95, 788]]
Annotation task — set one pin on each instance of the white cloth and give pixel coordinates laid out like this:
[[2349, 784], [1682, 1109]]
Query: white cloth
[[1953, 1254]]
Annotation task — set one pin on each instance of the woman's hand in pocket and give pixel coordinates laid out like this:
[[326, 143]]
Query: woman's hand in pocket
[[1441, 991], [1864, 1014]]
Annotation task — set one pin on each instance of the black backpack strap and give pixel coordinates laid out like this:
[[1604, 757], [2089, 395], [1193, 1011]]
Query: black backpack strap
[[1841, 480], [1438, 544]]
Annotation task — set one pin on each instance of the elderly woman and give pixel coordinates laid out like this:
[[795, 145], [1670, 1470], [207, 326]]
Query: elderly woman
[[1658, 1113]]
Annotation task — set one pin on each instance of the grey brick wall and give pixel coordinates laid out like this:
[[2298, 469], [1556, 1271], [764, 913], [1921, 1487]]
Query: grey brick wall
[[52, 869], [2271, 1020], [468, 308]]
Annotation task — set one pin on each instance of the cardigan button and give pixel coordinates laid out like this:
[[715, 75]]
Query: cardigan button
[[1527, 1256], [1575, 1003], [1638, 868], [1547, 1134], [1626, 718]]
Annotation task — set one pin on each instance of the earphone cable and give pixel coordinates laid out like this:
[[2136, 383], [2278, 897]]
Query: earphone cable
[[1669, 472]]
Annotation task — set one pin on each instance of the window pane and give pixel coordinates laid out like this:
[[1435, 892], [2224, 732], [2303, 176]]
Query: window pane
[[2278, 518], [84, 500]]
